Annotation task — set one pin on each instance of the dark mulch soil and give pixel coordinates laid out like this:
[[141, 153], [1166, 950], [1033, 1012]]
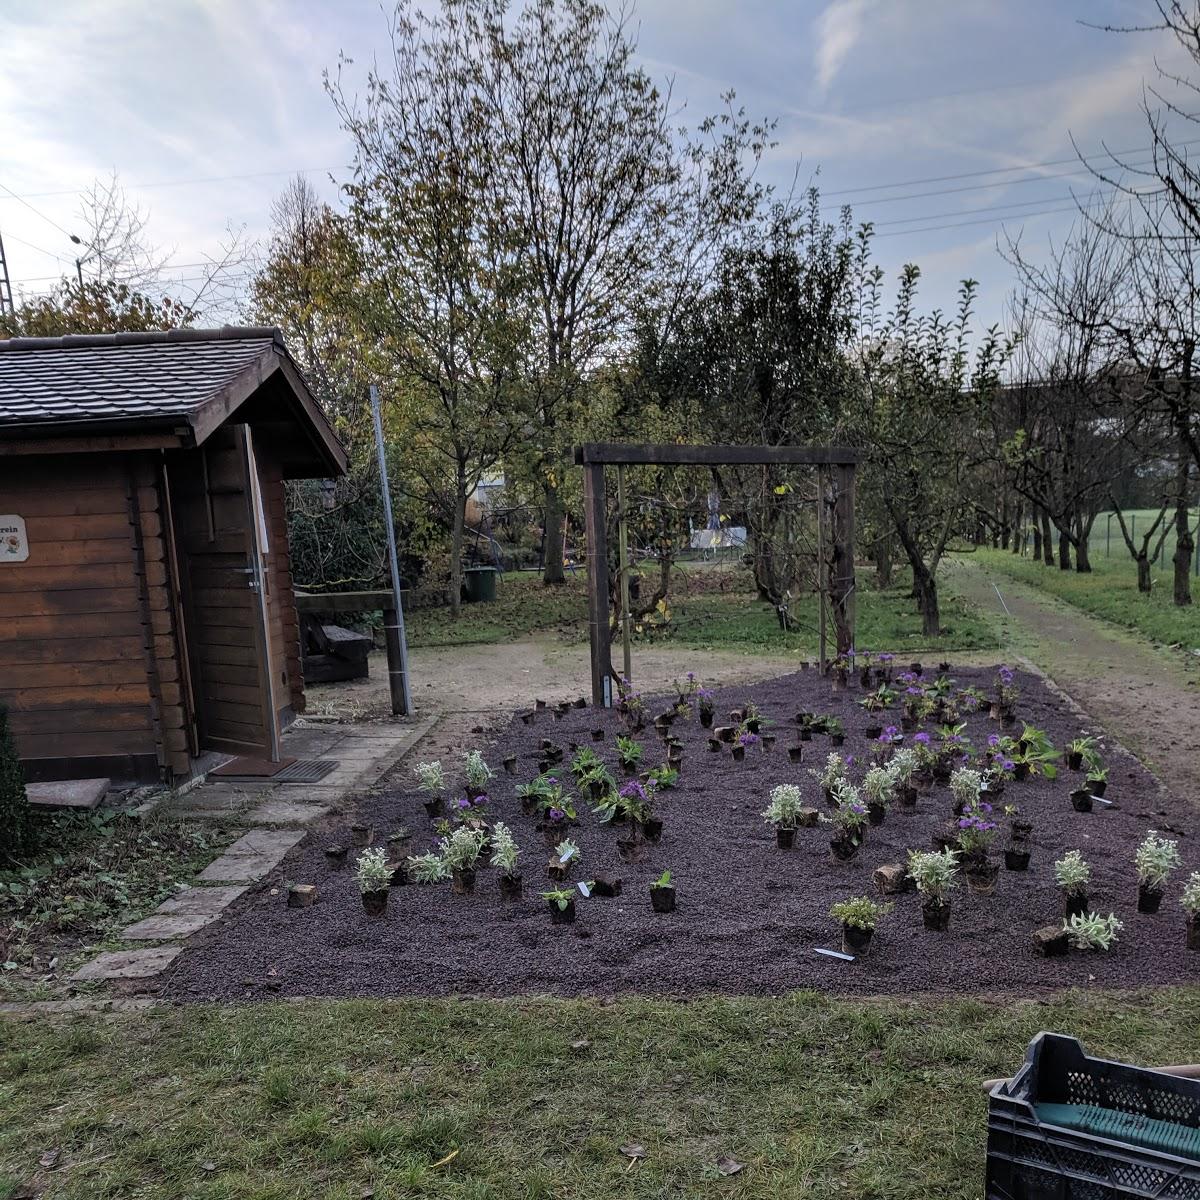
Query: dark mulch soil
[[749, 916]]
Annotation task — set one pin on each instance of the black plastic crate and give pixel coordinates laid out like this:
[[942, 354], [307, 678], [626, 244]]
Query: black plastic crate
[[1029, 1158]]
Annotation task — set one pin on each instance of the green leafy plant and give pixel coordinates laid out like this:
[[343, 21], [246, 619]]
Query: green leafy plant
[[1090, 931], [428, 868], [1190, 898], [859, 912], [629, 750], [504, 849], [834, 772], [784, 807], [585, 762], [1155, 859], [430, 777], [664, 777], [372, 872], [935, 872], [1071, 873], [559, 896], [476, 770], [965, 786], [663, 881], [1097, 774], [902, 766], [461, 850], [566, 851], [850, 815], [879, 786], [1035, 749]]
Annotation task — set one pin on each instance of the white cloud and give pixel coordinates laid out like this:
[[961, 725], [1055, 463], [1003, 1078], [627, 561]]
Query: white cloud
[[838, 30]]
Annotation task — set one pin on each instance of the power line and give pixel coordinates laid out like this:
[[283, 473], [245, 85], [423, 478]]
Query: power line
[[966, 212], [36, 212], [1045, 212], [162, 183]]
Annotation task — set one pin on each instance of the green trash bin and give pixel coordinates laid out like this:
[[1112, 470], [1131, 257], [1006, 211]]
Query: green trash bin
[[480, 584]]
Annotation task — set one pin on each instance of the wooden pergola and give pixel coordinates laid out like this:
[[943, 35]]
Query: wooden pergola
[[835, 474]]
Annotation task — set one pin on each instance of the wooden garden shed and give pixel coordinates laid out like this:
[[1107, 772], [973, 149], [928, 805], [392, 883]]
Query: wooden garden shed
[[146, 606]]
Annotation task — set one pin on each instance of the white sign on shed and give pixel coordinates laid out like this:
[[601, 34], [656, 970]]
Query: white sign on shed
[[14, 544]]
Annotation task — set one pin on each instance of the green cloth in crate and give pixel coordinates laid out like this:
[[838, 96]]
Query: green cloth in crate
[[1136, 1130]]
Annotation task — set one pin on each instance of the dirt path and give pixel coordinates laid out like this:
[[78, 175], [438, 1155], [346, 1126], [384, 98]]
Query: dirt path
[[1144, 697], [472, 686]]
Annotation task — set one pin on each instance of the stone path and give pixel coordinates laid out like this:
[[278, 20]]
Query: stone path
[[278, 815]]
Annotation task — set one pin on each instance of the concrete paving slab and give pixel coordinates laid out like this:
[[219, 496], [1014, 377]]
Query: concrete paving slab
[[253, 856], [67, 793], [192, 909], [128, 964], [286, 812]]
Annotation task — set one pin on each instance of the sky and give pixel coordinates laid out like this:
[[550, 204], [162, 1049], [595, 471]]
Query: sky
[[947, 123]]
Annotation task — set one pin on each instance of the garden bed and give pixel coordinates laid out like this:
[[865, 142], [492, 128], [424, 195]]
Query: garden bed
[[749, 916]]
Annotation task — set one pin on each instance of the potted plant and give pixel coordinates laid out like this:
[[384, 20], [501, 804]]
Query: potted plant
[[746, 741], [976, 829], [585, 763], [706, 706], [1090, 931], [879, 788], [1081, 750], [631, 705], [858, 918], [965, 786], [902, 766], [935, 873], [504, 858], [629, 752], [1097, 780], [427, 869], [431, 779], [836, 729], [561, 902], [460, 852], [477, 773], [1190, 902], [565, 853], [1007, 693], [662, 894], [1072, 875], [782, 812], [848, 820], [374, 876], [835, 772], [1155, 859], [335, 857], [1081, 799], [1017, 852]]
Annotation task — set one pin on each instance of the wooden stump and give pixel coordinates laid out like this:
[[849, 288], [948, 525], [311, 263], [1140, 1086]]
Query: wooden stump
[[302, 895]]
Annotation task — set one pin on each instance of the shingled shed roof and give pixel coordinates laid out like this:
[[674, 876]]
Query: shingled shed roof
[[178, 385]]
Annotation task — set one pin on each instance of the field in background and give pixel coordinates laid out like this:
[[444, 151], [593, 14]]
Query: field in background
[[711, 606]]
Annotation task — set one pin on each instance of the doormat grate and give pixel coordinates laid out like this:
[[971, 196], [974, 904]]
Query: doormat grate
[[306, 770]]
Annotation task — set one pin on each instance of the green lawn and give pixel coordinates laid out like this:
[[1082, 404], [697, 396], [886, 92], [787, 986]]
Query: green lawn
[[479, 1100], [1110, 591], [710, 607]]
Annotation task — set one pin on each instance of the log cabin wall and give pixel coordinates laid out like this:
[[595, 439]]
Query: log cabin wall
[[88, 655]]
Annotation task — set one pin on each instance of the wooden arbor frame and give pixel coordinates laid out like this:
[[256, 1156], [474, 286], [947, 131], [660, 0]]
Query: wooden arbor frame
[[835, 474]]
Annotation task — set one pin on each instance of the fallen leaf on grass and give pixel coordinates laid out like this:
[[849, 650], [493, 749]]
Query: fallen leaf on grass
[[729, 1166], [441, 1162], [633, 1150], [49, 1158], [582, 1044], [208, 1166]]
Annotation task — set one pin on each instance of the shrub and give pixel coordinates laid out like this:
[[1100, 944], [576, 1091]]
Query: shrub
[[430, 777], [427, 868], [1071, 873], [785, 804], [504, 849], [16, 817], [477, 771], [1090, 931], [1155, 859], [879, 785], [373, 872], [859, 912], [935, 872], [1190, 900]]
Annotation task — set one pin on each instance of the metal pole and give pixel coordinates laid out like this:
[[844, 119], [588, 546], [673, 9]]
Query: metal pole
[[623, 551], [393, 622]]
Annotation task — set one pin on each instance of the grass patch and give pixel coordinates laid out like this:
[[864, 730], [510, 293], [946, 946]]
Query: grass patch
[[819, 1097], [1110, 591], [95, 873], [711, 607]]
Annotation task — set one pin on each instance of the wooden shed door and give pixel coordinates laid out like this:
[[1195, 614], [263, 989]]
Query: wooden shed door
[[220, 536]]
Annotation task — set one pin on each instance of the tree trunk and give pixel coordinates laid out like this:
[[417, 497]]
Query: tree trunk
[[883, 563], [456, 541], [1083, 530], [1018, 530], [1037, 542], [1184, 546], [925, 585], [1064, 552], [1143, 571], [1047, 540], [552, 566]]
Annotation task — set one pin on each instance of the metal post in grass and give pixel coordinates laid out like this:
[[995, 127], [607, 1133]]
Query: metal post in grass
[[393, 618], [623, 553]]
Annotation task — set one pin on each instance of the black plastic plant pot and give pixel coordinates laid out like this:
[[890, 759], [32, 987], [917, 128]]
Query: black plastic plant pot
[[856, 941], [768, 741], [805, 734], [1016, 860], [706, 718], [597, 735], [1074, 759], [462, 881], [529, 805], [433, 808], [714, 745], [375, 903], [1149, 898], [527, 718], [652, 829], [510, 764], [580, 702], [1075, 904], [1193, 933], [510, 887], [662, 899], [876, 813], [843, 849], [795, 753], [557, 870], [335, 857], [361, 835], [873, 732], [1081, 800], [739, 753], [560, 915], [1098, 786], [785, 836], [906, 796], [539, 704], [935, 915], [981, 877], [631, 850], [837, 739]]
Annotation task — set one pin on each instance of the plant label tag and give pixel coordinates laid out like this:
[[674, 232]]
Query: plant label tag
[[833, 954], [584, 889], [565, 857], [1101, 800]]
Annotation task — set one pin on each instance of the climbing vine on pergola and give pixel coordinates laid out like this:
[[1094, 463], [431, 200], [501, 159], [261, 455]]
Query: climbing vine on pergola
[[835, 472]]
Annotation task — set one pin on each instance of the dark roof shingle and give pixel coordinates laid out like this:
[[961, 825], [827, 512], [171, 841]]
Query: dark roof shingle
[[122, 377]]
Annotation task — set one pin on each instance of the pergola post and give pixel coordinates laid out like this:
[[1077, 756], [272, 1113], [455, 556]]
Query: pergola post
[[595, 522], [841, 583]]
